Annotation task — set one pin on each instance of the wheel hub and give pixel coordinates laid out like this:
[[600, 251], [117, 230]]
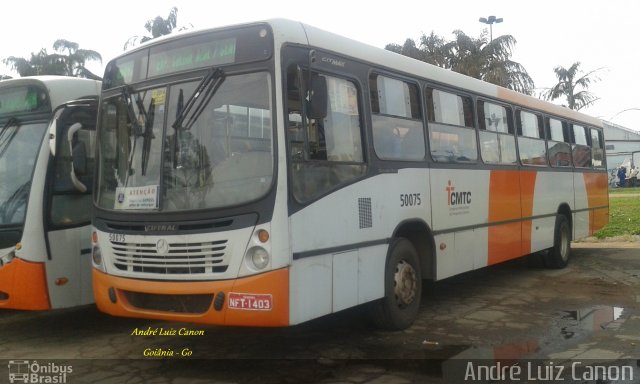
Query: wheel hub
[[405, 283]]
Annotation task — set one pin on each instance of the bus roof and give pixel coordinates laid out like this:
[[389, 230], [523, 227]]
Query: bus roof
[[289, 31], [60, 88]]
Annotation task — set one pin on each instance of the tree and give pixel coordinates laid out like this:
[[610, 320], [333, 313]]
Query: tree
[[569, 82], [68, 60], [479, 58], [75, 58], [157, 27]]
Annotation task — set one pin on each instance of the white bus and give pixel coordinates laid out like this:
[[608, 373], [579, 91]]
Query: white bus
[[270, 173], [45, 192]]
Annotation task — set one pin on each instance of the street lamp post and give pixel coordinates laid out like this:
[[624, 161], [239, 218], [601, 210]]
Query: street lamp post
[[490, 20]]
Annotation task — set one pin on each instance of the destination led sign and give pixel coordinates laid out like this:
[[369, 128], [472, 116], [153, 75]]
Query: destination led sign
[[203, 50], [22, 99]]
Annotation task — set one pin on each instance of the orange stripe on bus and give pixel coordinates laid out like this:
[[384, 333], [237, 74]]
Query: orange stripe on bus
[[275, 283], [26, 285], [504, 205], [596, 185]]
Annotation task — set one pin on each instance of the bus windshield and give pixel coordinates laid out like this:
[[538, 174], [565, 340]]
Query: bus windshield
[[19, 145], [222, 155]]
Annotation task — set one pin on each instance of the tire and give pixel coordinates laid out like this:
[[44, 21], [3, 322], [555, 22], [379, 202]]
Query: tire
[[398, 309], [557, 257]]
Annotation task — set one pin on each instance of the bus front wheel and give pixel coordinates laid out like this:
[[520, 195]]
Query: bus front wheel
[[558, 256], [399, 307]]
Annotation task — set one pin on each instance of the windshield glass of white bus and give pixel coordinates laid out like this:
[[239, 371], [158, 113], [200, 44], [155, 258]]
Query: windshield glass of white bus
[[20, 142], [220, 155]]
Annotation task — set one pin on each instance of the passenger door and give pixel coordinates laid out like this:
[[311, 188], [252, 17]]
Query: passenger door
[[68, 210]]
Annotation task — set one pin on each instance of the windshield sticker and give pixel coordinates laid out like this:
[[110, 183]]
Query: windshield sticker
[[145, 197]]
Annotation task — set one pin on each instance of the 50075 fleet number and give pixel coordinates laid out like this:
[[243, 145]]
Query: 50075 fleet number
[[410, 200]]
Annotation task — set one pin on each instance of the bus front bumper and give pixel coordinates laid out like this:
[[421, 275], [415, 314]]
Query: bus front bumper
[[259, 300]]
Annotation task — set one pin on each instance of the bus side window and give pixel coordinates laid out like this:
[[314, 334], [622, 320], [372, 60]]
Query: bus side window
[[497, 143], [558, 139], [69, 206], [452, 137], [327, 152], [531, 139], [597, 150], [580, 150], [398, 132]]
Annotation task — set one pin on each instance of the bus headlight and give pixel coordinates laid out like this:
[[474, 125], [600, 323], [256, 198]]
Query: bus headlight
[[259, 257], [96, 256]]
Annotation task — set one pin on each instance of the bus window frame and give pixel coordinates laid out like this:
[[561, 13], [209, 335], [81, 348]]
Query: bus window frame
[[299, 57], [575, 146], [511, 129], [541, 132], [459, 93], [566, 136], [420, 109]]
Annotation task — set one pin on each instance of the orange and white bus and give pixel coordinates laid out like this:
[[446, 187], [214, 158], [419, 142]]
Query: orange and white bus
[[45, 191], [270, 173]]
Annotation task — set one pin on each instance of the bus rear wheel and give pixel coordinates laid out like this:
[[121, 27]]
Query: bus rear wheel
[[557, 257], [398, 309]]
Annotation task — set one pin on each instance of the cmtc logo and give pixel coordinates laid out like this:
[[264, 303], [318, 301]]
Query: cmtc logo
[[25, 372], [457, 198]]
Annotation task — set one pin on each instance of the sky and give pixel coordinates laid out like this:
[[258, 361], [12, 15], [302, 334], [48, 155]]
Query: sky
[[601, 35]]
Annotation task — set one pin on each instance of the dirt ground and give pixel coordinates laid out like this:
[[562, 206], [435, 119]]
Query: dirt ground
[[512, 314]]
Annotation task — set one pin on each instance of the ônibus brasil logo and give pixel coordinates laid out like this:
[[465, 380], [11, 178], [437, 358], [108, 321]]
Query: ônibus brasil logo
[[457, 198], [23, 371]]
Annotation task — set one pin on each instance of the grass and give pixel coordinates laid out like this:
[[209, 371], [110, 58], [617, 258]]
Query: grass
[[624, 214]]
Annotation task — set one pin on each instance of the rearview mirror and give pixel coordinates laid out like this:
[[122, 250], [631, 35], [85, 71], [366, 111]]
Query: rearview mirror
[[78, 158]]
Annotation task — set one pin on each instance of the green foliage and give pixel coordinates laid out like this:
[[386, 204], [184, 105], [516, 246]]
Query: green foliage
[[481, 58], [68, 60], [573, 85], [624, 214], [158, 26]]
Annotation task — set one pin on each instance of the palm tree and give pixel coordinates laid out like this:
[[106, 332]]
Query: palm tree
[[157, 27], [479, 58], [435, 49], [76, 58], [568, 85], [488, 60], [43, 63]]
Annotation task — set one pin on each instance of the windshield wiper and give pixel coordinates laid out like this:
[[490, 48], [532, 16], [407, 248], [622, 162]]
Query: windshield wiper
[[5, 141], [148, 133], [126, 95], [203, 93], [135, 124]]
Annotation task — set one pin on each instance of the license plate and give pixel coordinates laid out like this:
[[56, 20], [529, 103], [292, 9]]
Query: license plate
[[250, 302]]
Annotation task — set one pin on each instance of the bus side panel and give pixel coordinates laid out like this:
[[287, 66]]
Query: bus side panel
[[69, 270], [463, 251], [26, 285], [504, 206], [329, 283], [339, 242], [311, 296], [581, 214], [537, 234], [552, 190], [459, 200], [598, 198]]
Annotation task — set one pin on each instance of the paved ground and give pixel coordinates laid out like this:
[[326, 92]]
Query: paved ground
[[517, 312]]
